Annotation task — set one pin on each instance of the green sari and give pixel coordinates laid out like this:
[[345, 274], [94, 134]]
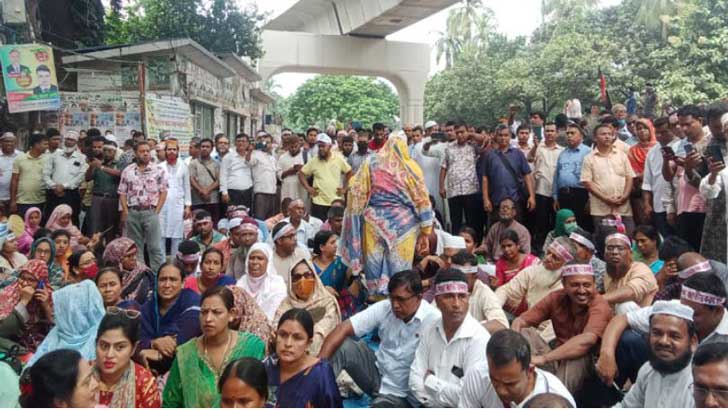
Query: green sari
[[192, 383]]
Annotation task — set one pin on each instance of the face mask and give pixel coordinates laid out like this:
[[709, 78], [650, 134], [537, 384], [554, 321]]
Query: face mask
[[69, 150], [90, 271], [304, 287], [570, 227], [622, 123]]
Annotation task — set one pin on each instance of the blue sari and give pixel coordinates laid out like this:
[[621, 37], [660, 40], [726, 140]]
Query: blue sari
[[314, 387], [334, 276]]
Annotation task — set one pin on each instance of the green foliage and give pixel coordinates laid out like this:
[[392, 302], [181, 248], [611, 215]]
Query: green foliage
[[342, 99], [685, 56], [218, 25]]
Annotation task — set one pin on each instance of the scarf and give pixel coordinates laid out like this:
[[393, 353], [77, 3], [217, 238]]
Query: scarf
[[317, 304], [638, 152], [54, 224], [10, 295], [561, 217], [252, 318], [26, 239], [124, 392], [114, 253], [55, 272], [256, 284]]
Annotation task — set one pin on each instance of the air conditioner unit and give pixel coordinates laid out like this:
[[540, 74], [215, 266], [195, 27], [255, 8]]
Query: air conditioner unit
[[13, 11]]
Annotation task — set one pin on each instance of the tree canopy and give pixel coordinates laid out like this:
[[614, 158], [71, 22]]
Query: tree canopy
[[340, 98], [680, 46]]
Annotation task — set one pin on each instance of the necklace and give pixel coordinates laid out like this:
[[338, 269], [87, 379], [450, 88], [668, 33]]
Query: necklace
[[224, 355]]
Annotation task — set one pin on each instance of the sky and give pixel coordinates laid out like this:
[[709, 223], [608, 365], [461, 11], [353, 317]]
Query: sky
[[513, 17]]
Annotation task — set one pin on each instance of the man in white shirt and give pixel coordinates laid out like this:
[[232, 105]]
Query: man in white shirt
[[63, 172], [666, 380], [304, 230], [288, 165], [287, 252], [8, 142], [508, 378], [654, 185], [544, 157], [263, 165], [449, 347], [236, 179], [400, 320], [483, 305]]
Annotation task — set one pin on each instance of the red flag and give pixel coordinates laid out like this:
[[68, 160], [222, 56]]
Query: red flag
[[602, 87]]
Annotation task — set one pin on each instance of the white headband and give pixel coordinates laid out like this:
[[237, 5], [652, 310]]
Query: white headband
[[451, 287], [285, 230], [702, 298], [620, 236], [559, 249], [573, 270], [692, 270], [465, 269], [582, 240]]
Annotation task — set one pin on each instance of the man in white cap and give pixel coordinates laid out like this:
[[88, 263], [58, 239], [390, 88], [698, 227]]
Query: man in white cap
[[8, 143], [666, 380], [326, 170], [579, 315], [63, 173]]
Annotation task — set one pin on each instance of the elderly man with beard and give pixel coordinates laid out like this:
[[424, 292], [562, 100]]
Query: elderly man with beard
[[449, 347], [243, 233], [666, 379], [710, 376], [628, 284], [326, 170], [507, 211], [579, 315]]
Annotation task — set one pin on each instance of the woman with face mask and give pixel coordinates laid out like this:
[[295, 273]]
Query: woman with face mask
[[564, 226], [306, 291], [261, 281], [81, 265], [44, 249]]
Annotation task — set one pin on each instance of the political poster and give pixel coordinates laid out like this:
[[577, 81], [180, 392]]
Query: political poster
[[169, 115], [30, 78]]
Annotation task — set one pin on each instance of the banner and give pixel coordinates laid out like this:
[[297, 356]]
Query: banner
[[169, 115], [30, 78], [106, 111]]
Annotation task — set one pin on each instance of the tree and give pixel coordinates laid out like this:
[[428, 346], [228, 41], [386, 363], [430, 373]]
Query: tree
[[342, 99], [218, 25], [467, 30]]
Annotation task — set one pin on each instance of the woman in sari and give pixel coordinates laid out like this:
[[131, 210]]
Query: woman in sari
[[32, 223], [82, 265], [388, 215], [243, 384], [108, 281], [261, 280], [564, 226], [645, 133], [212, 273], [31, 290], [10, 258], [297, 378], [250, 318], [335, 276], [77, 311], [511, 263], [61, 219], [305, 291], [138, 280], [61, 378], [170, 319], [199, 363], [62, 240], [647, 244], [122, 383], [44, 249]]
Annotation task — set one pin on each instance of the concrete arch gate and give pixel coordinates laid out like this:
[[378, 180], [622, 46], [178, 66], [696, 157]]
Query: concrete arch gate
[[405, 65]]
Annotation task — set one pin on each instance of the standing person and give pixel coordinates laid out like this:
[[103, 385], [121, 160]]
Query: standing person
[[545, 157], [236, 179], [105, 173], [54, 140], [645, 132], [506, 174], [713, 244], [607, 175], [380, 137], [654, 185], [222, 147], [289, 163], [459, 182], [26, 188], [142, 193], [205, 181], [568, 191], [362, 150], [388, 216], [326, 170], [262, 164], [430, 165], [8, 143], [63, 173], [178, 202]]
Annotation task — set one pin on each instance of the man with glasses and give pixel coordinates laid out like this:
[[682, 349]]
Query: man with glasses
[[400, 320], [710, 376], [567, 190], [628, 284]]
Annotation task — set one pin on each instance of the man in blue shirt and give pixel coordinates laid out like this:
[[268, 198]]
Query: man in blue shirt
[[569, 193]]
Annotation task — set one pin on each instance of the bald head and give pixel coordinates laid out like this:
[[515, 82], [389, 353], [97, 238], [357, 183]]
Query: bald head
[[548, 400], [689, 259]]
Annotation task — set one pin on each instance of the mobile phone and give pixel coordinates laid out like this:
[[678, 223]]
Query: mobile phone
[[715, 153], [667, 150], [689, 148], [41, 285], [439, 136]]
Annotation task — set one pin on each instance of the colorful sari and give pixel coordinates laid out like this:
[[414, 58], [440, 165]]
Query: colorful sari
[[192, 382], [388, 207], [26, 239], [252, 318], [638, 152], [312, 387], [136, 389], [334, 276], [55, 272], [37, 325], [136, 284], [54, 223]]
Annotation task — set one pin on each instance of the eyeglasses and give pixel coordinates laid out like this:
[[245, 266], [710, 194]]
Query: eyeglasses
[[115, 311], [701, 393], [299, 276]]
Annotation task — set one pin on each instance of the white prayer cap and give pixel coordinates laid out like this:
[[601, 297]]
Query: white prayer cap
[[234, 223], [71, 135], [223, 224], [454, 242], [112, 138], [323, 138], [672, 308], [430, 124]]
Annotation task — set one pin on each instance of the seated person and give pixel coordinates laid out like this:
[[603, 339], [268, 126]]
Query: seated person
[[564, 225], [261, 281], [647, 241], [206, 235], [668, 282], [28, 304], [399, 320], [188, 258], [483, 304], [586, 251], [511, 263], [687, 265], [710, 376], [243, 233], [666, 380], [335, 220], [509, 364], [449, 347], [507, 220], [579, 316], [428, 266], [287, 251], [304, 230], [211, 273], [628, 284]]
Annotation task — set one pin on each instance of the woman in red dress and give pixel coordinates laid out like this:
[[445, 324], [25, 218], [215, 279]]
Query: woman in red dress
[[511, 264]]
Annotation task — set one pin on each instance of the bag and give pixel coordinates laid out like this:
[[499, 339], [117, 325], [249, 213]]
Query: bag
[[522, 191], [10, 353]]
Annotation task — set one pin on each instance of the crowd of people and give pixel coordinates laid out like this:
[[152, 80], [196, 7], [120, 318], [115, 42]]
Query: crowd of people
[[573, 262]]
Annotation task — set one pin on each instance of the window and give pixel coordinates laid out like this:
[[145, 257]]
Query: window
[[232, 124], [204, 119]]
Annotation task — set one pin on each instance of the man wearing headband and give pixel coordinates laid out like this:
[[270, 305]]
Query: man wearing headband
[[506, 220], [206, 236], [667, 278], [188, 257], [243, 234], [178, 205], [586, 251], [304, 230], [287, 251], [687, 265], [666, 379], [327, 171], [710, 375], [537, 281], [623, 347], [400, 320], [628, 284], [63, 172], [449, 347], [483, 304], [579, 315]]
